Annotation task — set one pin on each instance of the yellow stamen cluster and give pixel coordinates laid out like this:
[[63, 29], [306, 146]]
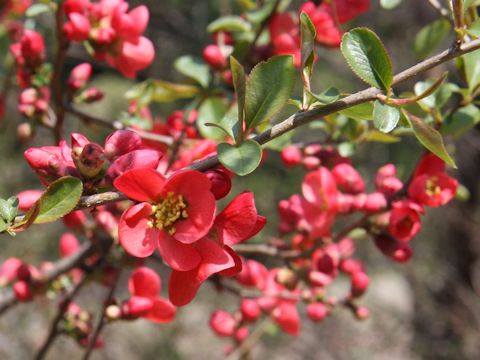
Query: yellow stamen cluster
[[167, 212], [432, 188]]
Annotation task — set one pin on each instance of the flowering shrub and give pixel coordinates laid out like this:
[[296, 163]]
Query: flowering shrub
[[156, 199]]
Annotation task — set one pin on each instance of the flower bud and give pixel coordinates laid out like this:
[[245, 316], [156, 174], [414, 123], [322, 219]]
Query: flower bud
[[317, 312], [77, 28], [27, 198], [362, 313], [91, 160], [213, 56], [222, 323], [250, 310], [375, 202], [291, 156], [91, 95], [24, 132], [348, 178], [221, 183], [22, 291], [398, 251], [241, 334], [79, 76], [359, 283], [287, 278], [68, 245]]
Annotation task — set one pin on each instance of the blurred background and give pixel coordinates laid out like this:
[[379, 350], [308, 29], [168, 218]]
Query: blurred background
[[428, 308]]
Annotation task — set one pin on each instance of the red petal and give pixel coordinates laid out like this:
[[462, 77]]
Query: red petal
[[144, 282], [236, 259], [162, 312], [134, 235], [133, 160], [194, 186], [177, 255], [141, 184], [237, 221], [184, 285]]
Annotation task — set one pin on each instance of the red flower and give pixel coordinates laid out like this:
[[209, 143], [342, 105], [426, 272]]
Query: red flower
[[174, 213], [431, 186], [320, 192], [404, 222], [145, 285], [238, 222]]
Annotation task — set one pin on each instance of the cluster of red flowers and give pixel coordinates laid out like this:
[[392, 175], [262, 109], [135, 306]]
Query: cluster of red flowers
[[113, 33]]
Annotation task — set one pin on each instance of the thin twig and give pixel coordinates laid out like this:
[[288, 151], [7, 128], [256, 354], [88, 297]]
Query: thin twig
[[54, 330], [250, 342], [56, 84], [101, 320], [440, 9], [117, 125]]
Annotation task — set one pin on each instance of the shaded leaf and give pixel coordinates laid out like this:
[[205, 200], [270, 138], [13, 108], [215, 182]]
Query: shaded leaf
[[193, 68], [430, 138], [431, 36], [229, 23]]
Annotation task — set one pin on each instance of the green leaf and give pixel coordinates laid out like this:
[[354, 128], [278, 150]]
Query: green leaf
[[474, 28], [385, 117], [268, 89], [430, 138], [327, 96], [229, 23], [165, 91], [238, 75], [390, 4], [368, 58], [377, 136], [308, 34], [461, 121], [193, 68], [58, 200], [472, 69], [242, 159], [359, 112], [37, 9], [212, 110], [431, 36]]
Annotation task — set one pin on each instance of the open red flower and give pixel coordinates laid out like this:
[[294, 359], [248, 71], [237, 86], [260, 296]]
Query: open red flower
[[238, 222], [431, 186], [145, 285], [174, 213]]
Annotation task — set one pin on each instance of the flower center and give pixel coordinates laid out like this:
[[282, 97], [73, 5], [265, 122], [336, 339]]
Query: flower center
[[432, 187], [167, 212]]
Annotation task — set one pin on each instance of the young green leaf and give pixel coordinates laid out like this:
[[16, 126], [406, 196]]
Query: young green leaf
[[268, 89], [212, 110], [430, 37], [58, 200], [368, 58], [193, 68], [430, 138], [238, 75], [359, 112], [385, 117], [390, 4], [241, 159], [229, 23], [327, 96], [308, 34]]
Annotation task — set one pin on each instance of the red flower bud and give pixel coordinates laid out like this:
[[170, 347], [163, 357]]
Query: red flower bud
[[398, 251], [221, 183], [291, 156], [214, 57], [22, 291], [359, 283], [79, 76], [317, 312], [250, 310], [222, 323], [348, 178]]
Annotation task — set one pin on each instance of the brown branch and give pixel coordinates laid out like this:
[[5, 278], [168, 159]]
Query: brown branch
[[302, 118], [117, 125], [440, 9], [56, 84], [267, 250], [246, 346]]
